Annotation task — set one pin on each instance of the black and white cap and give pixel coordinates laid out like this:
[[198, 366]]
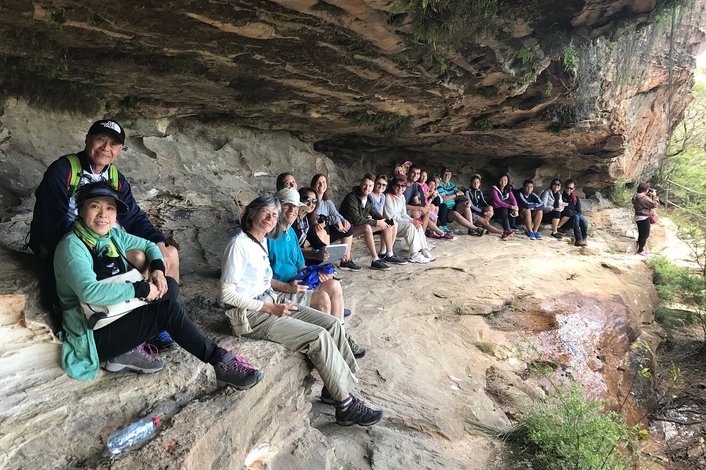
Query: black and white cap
[[110, 127]]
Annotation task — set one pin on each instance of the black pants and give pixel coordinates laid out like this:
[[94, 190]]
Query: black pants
[[547, 217], [643, 233], [336, 234], [148, 321], [443, 218], [507, 221]]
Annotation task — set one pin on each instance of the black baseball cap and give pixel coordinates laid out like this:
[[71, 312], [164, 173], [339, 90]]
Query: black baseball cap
[[110, 127], [100, 189]]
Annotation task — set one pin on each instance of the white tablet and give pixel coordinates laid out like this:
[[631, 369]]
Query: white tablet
[[335, 252]]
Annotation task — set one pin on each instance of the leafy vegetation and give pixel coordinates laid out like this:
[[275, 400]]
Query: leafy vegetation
[[621, 192], [570, 58], [385, 123], [482, 124], [682, 174], [57, 14], [674, 283], [569, 431], [443, 22]]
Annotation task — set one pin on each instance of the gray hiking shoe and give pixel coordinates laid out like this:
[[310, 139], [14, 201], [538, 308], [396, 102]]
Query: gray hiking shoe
[[380, 265], [235, 371], [357, 350], [357, 413], [143, 358]]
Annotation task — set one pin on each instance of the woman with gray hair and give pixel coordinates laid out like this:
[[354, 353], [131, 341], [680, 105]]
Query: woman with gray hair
[[262, 313]]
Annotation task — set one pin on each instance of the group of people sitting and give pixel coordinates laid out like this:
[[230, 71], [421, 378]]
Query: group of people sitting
[[409, 205], [277, 277], [90, 235]]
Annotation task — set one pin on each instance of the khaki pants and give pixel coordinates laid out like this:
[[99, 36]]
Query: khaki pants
[[318, 335]]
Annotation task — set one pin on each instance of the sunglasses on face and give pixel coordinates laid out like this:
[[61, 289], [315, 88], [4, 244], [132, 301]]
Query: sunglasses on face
[[570, 188], [383, 185], [310, 200]]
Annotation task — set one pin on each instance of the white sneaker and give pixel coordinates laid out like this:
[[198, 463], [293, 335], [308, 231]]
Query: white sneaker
[[418, 258], [427, 255]]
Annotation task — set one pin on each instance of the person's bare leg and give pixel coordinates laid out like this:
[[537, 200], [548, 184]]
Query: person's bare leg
[[173, 263], [321, 301], [435, 228], [456, 217], [563, 220], [555, 225], [334, 293], [138, 259], [348, 241], [526, 216], [485, 223], [425, 221], [537, 220], [388, 235], [366, 231]]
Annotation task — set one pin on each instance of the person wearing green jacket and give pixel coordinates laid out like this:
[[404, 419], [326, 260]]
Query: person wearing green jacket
[[94, 250]]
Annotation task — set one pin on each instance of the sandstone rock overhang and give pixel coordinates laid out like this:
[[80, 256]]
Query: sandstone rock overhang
[[588, 87]]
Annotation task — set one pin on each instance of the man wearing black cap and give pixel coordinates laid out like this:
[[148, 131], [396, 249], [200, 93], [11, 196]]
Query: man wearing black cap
[[55, 206]]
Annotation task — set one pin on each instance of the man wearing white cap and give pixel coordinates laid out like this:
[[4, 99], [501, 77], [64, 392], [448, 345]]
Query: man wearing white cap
[[287, 260]]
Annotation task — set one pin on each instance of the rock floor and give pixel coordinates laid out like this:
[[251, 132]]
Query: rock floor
[[449, 344]]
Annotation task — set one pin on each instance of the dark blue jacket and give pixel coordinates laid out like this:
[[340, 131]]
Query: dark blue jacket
[[574, 206], [478, 202], [529, 201], [51, 220]]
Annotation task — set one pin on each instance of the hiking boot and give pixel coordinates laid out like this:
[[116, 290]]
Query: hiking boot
[[346, 312], [357, 350], [143, 358], [235, 371], [326, 396], [163, 342], [379, 265], [349, 265], [537, 236], [357, 413], [558, 235], [418, 257], [580, 243], [392, 259], [427, 255]]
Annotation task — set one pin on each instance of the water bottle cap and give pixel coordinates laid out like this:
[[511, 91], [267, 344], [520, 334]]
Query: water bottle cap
[[156, 421]]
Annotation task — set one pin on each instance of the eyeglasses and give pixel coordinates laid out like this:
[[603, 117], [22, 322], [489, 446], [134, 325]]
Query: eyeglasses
[[268, 214], [310, 200], [570, 188]]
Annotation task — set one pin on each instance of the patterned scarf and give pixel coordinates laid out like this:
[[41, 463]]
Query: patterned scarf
[[103, 246]]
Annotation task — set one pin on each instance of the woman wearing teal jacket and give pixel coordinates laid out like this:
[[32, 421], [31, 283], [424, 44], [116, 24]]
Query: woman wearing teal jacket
[[94, 251]]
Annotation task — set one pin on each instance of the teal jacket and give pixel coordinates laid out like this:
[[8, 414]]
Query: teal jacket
[[76, 281]]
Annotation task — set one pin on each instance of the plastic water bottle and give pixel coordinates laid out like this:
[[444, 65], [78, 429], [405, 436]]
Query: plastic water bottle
[[132, 434]]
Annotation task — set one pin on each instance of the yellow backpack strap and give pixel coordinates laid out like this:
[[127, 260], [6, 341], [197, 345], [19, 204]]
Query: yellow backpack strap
[[113, 177], [75, 176]]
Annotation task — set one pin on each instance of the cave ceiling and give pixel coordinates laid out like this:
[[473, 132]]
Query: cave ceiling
[[586, 82]]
